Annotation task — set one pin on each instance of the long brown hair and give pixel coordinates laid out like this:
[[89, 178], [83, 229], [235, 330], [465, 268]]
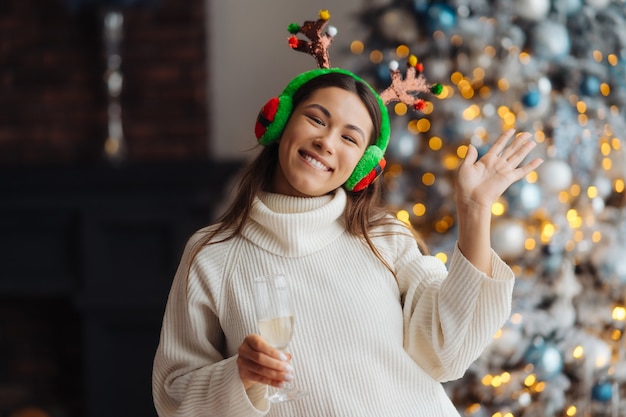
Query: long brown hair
[[364, 210]]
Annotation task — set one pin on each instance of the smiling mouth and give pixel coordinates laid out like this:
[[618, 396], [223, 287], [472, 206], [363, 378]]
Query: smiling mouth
[[317, 164]]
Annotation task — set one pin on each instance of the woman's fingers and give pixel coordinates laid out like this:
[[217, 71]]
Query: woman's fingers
[[259, 362]]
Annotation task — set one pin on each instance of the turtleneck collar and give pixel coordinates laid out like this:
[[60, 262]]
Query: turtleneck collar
[[295, 226]]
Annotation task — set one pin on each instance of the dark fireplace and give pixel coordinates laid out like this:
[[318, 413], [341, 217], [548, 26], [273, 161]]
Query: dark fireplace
[[87, 256], [40, 357]]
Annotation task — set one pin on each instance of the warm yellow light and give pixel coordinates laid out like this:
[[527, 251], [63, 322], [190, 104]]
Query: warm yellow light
[[563, 196], [532, 177], [592, 191], [442, 257], [506, 377], [400, 109], [357, 47], [530, 244], [498, 334], [618, 185], [578, 235], [540, 386], [450, 162], [498, 208], [597, 55], [605, 89], [503, 84], [516, 318], [456, 77], [616, 144], [582, 119], [478, 73], [571, 411], [530, 380], [484, 92], [487, 379], [524, 58], [423, 125], [607, 164], [574, 190], [402, 51], [412, 127], [616, 335], [461, 151], [419, 209], [503, 111], [578, 352], [596, 236], [547, 231], [403, 216], [605, 148], [613, 60], [619, 313], [376, 57], [581, 107], [428, 178]]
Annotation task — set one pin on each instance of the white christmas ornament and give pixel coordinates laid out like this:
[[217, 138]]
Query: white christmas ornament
[[507, 238], [550, 40], [534, 10], [598, 4], [555, 175]]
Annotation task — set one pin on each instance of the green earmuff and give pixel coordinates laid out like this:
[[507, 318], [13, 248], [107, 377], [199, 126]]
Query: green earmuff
[[274, 115]]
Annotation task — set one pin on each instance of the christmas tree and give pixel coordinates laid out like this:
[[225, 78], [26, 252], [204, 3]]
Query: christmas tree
[[558, 70]]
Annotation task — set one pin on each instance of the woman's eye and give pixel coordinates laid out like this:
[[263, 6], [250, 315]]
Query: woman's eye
[[349, 138], [316, 120]]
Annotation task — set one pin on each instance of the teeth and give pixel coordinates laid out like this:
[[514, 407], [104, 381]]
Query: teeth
[[316, 163]]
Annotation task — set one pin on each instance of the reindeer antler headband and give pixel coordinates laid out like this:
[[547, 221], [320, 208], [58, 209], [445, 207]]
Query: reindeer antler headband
[[274, 115], [402, 90]]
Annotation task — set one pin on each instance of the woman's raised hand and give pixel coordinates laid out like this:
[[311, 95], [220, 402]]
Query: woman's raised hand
[[480, 182]]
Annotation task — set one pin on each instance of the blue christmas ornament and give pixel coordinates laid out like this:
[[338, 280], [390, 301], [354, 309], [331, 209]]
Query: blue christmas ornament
[[441, 17], [546, 359], [420, 6], [383, 74], [531, 98], [602, 391], [524, 197], [551, 259], [590, 85]]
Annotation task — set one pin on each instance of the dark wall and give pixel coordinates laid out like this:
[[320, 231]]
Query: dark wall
[[88, 248], [53, 98]]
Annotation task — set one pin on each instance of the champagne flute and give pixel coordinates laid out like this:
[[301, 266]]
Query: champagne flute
[[274, 312]]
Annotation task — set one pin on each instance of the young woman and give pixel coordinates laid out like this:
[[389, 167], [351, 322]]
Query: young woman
[[378, 323]]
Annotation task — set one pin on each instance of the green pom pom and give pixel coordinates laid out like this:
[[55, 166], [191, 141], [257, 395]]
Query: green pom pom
[[436, 89], [293, 28]]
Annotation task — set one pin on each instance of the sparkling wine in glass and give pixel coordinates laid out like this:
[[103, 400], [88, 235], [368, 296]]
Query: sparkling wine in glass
[[274, 312]]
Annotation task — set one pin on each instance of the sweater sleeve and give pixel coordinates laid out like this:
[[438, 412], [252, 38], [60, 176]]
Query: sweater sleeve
[[191, 377], [451, 315]]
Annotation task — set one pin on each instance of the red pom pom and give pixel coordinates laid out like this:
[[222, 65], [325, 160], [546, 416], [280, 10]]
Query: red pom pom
[[419, 104], [293, 42], [419, 67], [266, 116]]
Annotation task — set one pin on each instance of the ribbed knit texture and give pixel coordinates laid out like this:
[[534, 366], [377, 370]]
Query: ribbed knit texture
[[365, 345]]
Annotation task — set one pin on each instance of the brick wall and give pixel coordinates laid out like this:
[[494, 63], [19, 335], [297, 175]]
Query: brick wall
[[52, 94]]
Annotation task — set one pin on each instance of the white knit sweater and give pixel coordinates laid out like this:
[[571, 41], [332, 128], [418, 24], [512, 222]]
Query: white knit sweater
[[365, 345]]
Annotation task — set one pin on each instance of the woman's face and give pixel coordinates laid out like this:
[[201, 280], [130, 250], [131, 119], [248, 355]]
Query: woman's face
[[323, 140]]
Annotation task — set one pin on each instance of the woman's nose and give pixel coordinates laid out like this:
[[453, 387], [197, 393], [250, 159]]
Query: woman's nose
[[324, 143]]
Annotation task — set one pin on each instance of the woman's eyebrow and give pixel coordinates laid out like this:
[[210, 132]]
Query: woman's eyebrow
[[327, 114]]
